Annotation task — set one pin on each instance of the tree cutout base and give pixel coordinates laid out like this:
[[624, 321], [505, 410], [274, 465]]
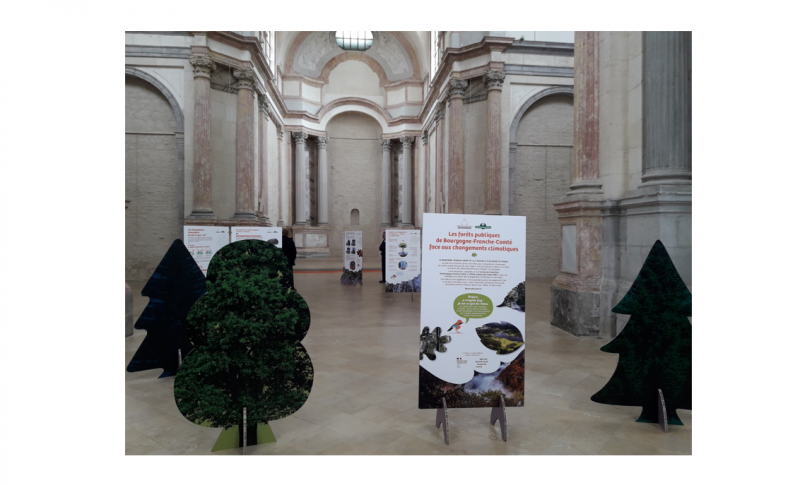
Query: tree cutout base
[[441, 419], [256, 435], [655, 347], [662, 411]]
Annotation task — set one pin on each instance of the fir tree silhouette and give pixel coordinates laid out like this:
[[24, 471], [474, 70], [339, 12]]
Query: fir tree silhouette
[[246, 332], [655, 347], [175, 286]]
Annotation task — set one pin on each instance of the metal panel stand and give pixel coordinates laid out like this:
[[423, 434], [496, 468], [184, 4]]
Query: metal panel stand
[[662, 411], [441, 417], [500, 413]]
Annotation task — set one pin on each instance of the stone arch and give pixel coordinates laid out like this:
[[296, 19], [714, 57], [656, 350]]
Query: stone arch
[[173, 101], [358, 105], [512, 133]]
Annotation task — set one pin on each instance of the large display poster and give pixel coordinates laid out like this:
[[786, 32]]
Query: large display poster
[[353, 258], [269, 234], [402, 261], [472, 325], [203, 242]]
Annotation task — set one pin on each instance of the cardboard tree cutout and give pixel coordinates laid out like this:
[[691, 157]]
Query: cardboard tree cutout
[[655, 347], [246, 331], [175, 286]]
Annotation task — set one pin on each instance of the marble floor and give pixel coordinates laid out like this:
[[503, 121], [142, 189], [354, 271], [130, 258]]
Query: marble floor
[[364, 347]]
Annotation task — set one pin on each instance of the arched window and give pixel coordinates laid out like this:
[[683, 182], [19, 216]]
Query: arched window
[[351, 40], [354, 216]]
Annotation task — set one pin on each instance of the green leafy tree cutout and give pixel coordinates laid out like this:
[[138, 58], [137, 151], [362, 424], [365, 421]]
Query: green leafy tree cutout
[[246, 332], [655, 347]]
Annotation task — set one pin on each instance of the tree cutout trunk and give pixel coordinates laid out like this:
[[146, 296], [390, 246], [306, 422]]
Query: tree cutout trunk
[[655, 347]]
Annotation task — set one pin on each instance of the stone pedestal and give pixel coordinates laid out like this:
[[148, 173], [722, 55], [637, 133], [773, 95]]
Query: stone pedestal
[[312, 241], [201, 179], [455, 170], [575, 304]]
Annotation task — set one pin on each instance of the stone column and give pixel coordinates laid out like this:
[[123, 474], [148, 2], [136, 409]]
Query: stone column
[[586, 138], [406, 182], [575, 298], [426, 191], [494, 84], [281, 184], [263, 152], [301, 178], [386, 185], [439, 183], [667, 108], [202, 205], [455, 188], [322, 203], [245, 145]]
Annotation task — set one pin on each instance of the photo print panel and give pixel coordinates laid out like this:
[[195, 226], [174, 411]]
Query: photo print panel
[[246, 333], [403, 269], [353, 259], [474, 267], [655, 347], [175, 286]]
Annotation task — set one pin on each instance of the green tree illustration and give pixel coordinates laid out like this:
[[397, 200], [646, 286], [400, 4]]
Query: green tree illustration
[[246, 331], [655, 347]]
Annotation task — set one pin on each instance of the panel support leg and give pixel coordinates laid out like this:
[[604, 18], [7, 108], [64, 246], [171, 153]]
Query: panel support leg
[[500, 413], [441, 417]]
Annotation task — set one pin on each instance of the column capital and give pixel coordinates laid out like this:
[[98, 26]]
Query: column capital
[[202, 65], [494, 79], [456, 88], [322, 142], [407, 141], [425, 137], [245, 78], [280, 134], [299, 137], [386, 145], [263, 104], [438, 112]]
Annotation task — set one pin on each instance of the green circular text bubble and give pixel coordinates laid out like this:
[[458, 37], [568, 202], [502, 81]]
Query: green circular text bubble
[[473, 305]]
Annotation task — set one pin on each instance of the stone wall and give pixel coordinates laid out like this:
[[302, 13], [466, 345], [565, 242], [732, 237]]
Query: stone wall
[[543, 174], [354, 161], [475, 151], [153, 179]]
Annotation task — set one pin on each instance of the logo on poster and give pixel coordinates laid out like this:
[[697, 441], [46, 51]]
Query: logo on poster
[[460, 361], [483, 226], [464, 225]]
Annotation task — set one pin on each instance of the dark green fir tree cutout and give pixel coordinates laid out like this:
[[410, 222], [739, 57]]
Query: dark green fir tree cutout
[[246, 331], [655, 347], [175, 285]]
